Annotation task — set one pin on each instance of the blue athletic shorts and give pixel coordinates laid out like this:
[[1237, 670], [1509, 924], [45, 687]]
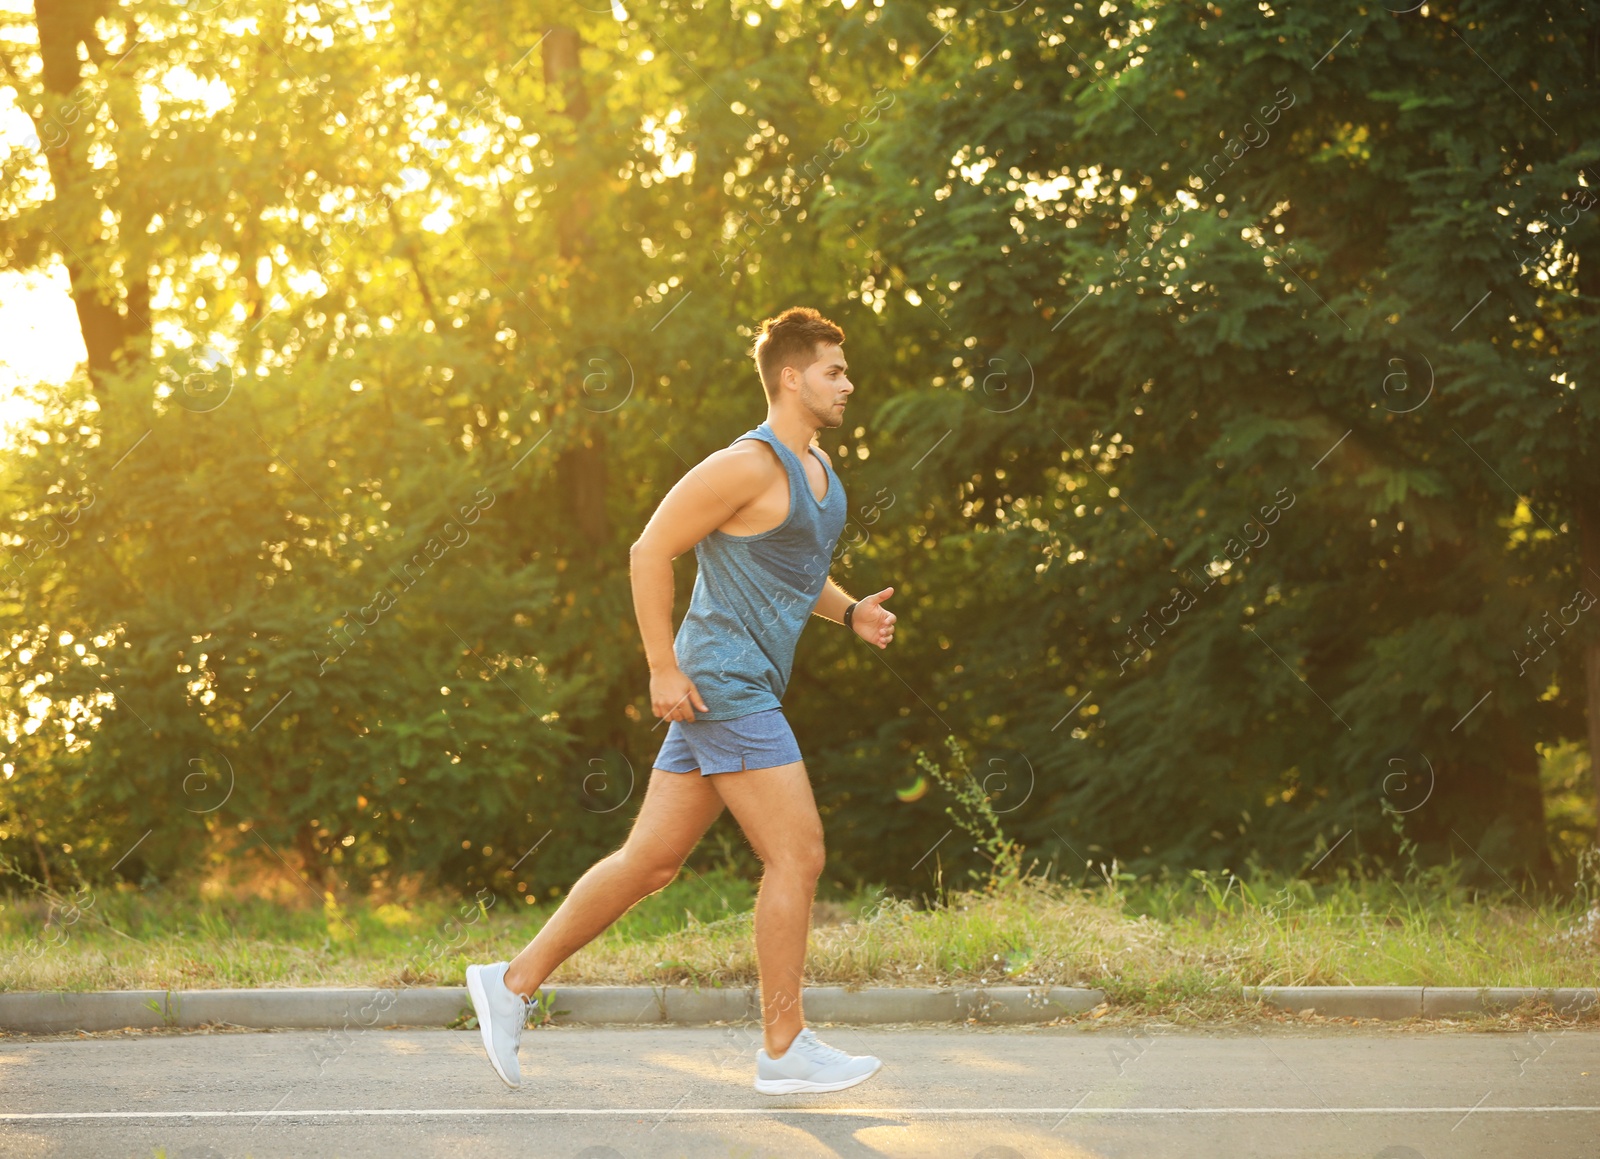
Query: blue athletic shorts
[[758, 741]]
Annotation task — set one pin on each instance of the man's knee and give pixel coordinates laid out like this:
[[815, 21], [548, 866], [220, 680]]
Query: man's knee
[[660, 876], [816, 859], [653, 873], [804, 859]]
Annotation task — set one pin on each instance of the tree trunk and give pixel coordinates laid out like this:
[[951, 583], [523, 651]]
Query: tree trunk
[[581, 466], [112, 321], [312, 863], [1589, 641], [1488, 810], [563, 73], [44, 862], [1587, 487], [581, 471], [1591, 708]]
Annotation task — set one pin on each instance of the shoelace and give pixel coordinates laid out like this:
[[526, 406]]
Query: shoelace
[[818, 1051]]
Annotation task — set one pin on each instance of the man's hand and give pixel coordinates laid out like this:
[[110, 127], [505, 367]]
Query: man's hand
[[873, 622], [672, 693]]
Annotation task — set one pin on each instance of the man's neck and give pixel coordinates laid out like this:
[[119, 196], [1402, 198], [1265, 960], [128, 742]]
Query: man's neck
[[794, 431]]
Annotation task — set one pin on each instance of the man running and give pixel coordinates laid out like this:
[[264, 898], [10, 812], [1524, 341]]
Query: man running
[[763, 516]]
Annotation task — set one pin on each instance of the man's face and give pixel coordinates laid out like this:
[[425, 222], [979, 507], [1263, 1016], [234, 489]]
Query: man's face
[[824, 386]]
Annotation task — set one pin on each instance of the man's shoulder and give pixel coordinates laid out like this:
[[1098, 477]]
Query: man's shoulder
[[737, 474], [753, 456]]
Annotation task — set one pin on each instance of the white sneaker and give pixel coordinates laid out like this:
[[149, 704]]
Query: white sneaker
[[501, 1017], [810, 1067]]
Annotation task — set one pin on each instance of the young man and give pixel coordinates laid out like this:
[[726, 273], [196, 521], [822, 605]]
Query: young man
[[763, 516]]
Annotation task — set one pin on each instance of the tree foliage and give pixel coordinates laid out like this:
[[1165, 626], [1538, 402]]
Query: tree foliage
[[1229, 447]]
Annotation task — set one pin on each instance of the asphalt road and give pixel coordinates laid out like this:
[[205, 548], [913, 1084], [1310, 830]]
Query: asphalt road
[[962, 1094]]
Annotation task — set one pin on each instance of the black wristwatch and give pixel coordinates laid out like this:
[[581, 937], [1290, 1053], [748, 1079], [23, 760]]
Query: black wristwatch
[[848, 610]]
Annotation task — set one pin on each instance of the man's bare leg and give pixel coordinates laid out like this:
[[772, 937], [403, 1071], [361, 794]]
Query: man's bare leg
[[678, 808], [778, 814]]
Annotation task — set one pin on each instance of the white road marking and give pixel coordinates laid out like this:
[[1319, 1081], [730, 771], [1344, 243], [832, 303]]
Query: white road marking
[[460, 1112]]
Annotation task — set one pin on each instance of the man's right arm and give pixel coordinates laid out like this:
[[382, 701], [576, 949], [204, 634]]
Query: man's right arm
[[703, 500]]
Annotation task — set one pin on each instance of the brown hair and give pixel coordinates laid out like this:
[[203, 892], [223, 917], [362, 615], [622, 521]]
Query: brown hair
[[783, 341]]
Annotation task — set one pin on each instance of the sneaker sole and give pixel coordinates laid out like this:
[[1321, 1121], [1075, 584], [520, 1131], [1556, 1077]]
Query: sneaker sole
[[807, 1087], [480, 1007]]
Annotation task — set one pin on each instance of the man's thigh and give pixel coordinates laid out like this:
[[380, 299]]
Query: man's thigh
[[775, 808], [677, 810]]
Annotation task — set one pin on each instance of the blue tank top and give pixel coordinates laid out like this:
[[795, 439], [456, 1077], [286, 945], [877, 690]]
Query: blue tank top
[[754, 593]]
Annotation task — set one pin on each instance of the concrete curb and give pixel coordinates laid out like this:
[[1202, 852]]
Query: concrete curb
[[346, 1009], [1419, 1001], [317, 1008]]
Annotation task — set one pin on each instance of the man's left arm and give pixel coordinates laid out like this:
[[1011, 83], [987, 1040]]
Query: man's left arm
[[870, 620]]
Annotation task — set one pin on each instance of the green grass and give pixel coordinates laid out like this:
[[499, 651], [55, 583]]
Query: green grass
[[189, 939], [1171, 946]]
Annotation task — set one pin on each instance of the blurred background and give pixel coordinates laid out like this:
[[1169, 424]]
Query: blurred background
[[1224, 421]]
